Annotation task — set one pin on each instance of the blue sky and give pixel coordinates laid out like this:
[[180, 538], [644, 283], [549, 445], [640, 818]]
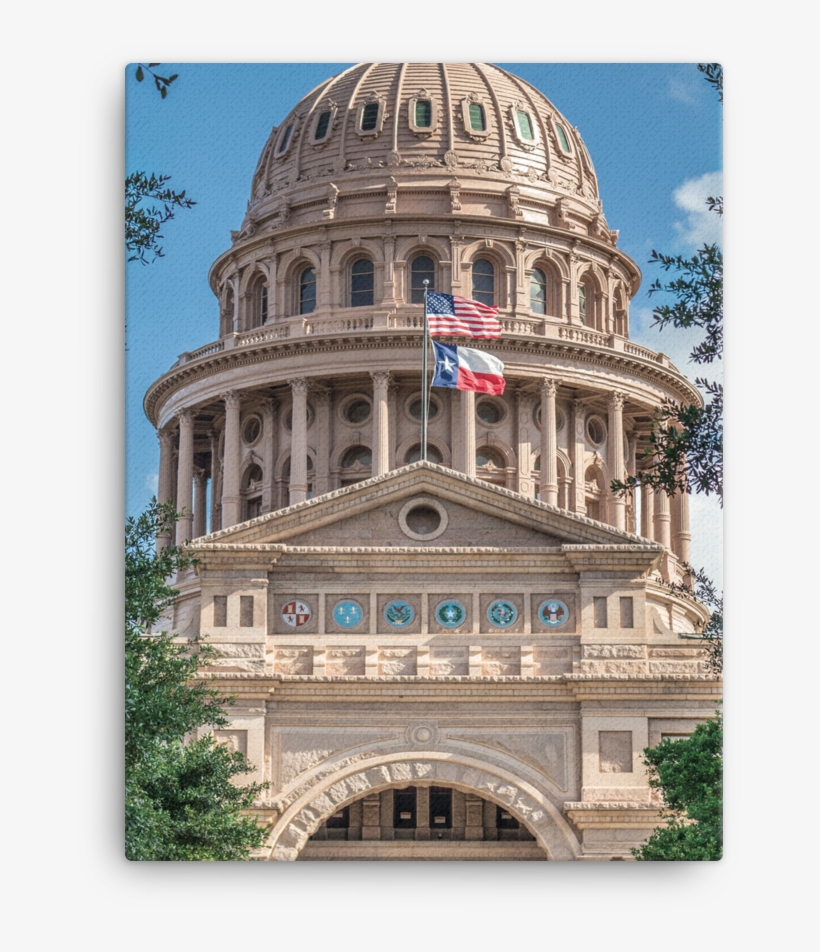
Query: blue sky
[[653, 130]]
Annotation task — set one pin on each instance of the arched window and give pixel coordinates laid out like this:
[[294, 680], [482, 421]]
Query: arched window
[[307, 291], [525, 125], [490, 465], [538, 292], [594, 494], [370, 116], [356, 465], [422, 269], [413, 455], [484, 282], [285, 140], [258, 303], [424, 113], [582, 302], [252, 493], [227, 313], [361, 283], [322, 125]]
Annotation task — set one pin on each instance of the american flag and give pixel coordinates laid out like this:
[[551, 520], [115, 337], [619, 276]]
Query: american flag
[[457, 317]]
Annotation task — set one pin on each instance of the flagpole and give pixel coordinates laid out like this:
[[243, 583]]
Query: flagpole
[[424, 397]]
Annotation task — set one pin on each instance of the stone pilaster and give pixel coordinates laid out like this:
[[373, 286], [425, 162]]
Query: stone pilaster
[[464, 426], [392, 423], [298, 441], [216, 482], [615, 446], [200, 502], [579, 504], [270, 415], [185, 477], [323, 434], [231, 461], [647, 511], [381, 426], [549, 443]]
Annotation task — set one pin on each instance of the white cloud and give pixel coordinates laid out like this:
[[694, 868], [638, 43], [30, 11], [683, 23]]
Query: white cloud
[[701, 226], [684, 88], [152, 483]]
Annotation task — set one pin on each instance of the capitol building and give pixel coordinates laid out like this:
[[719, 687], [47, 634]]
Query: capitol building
[[461, 657]]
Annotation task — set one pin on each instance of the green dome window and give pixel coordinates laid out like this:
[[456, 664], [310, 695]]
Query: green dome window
[[562, 138], [424, 113], [322, 126], [370, 116], [525, 126], [478, 120]]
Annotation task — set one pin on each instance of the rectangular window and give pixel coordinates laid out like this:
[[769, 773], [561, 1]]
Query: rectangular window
[[246, 611], [525, 126], [220, 611], [626, 613], [477, 117], [404, 809], [600, 612], [264, 305], [424, 113], [441, 808], [562, 138], [370, 115]]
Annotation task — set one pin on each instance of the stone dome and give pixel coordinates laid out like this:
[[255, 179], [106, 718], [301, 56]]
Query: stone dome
[[462, 126]]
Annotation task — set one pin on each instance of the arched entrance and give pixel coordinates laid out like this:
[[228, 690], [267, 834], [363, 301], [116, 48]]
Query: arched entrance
[[332, 792]]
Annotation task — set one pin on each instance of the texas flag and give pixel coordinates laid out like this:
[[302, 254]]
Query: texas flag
[[464, 368]]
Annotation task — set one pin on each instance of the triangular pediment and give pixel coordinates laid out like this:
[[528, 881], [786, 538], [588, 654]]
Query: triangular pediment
[[379, 512]]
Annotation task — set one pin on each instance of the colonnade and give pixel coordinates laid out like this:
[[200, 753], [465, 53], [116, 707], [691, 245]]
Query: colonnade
[[664, 519]]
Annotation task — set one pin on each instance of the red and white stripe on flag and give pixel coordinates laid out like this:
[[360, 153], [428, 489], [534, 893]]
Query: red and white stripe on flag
[[450, 315]]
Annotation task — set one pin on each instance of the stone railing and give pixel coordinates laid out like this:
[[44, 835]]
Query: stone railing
[[374, 322]]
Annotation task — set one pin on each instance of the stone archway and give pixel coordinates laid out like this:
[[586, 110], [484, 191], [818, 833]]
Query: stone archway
[[304, 815]]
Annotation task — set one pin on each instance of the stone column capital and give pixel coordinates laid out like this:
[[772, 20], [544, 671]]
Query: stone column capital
[[299, 385], [186, 417], [617, 399], [165, 437], [549, 386], [233, 399], [381, 379]]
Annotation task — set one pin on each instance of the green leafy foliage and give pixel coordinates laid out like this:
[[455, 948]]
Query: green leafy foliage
[[181, 799], [697, 586], [713, 74], [144, 220], [161, 83], [689, 773]]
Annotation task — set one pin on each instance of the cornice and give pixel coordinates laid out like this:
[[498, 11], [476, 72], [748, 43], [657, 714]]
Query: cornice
[[591, 355]]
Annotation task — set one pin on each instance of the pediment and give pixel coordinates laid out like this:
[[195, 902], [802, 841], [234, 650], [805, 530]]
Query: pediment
[[369, 514]]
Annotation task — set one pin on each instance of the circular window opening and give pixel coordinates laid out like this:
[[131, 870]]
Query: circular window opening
[[252, 430], [289, 418], [357, 411], [414, 454], [489, 412], [415, 408], [596, 430], [560, 422], [423, 520]]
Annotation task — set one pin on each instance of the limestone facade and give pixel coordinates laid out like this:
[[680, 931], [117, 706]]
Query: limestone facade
[[456, 658]]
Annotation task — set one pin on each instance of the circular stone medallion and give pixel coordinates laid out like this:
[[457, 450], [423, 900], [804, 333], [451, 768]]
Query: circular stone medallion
[[450, 614], [502, 614], [399, 614], [296, 613], [348, 614], [553, 613]]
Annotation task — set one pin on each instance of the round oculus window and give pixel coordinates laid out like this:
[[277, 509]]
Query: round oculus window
[[596, 430], [414, 408], [490, 412], [357, 411], [252, 430], [423, 520]]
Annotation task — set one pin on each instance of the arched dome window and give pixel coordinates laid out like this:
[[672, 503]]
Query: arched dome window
[[563, 141], [258, 302], [413, 455], [422, 269], [484, 282], [357, 465], [589, 302], [424, 113], [361, 283], [284, 142], [538, 292], [307, 291], [490, 465], [322, 126]]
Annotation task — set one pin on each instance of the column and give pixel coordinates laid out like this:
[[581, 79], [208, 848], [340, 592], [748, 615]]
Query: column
[[389, 295], [615, 445], [269, 431], [466, 426], [579, 504], [380, 431], [647, 511], [392, 424], [663, 519], [423, 808], [549, 443], [683, 537], [216, 482], [323, 434], [235, 317], [166, 461], [298, 441], [185, 477], [523, 481], [231, 460], [200, 502]]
